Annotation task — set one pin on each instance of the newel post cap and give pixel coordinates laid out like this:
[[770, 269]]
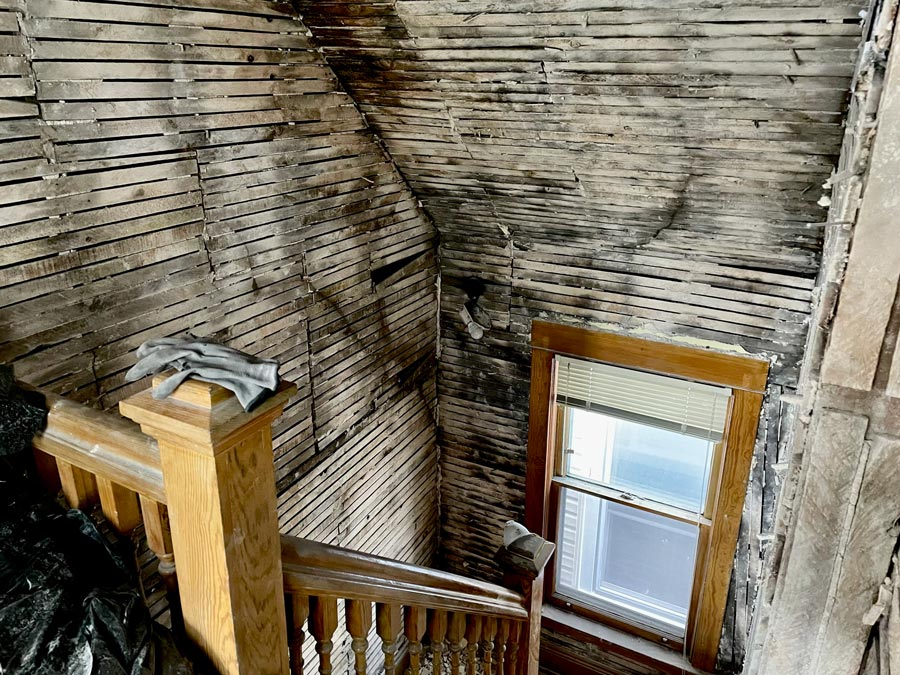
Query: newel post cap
[[202, 416], [525, 555]]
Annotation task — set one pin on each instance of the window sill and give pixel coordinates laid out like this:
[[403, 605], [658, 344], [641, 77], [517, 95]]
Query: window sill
[[617, 642]]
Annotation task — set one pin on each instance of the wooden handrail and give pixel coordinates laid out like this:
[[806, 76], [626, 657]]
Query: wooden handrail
[[103, 444], [313, 568], [195, 432], [110, 446]]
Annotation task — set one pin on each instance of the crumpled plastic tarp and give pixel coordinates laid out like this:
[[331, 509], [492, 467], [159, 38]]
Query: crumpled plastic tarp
[[22, 413], [68, 603]]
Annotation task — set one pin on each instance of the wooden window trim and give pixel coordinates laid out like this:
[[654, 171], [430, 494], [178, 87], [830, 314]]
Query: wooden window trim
[[745, 376]]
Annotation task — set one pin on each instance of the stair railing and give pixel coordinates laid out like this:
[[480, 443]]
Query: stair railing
[[199, 472], [459, 620]]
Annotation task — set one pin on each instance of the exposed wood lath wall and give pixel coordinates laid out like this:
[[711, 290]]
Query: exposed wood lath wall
[[193, 166], [638, 166]]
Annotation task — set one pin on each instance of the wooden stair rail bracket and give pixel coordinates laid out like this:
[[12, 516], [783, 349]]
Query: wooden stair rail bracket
[[523, 563], [219, 479]]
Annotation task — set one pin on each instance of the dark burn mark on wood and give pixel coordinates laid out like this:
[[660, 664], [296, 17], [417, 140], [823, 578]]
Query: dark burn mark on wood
[[473, 287], [381, 274], [546, 159], [415, 374]]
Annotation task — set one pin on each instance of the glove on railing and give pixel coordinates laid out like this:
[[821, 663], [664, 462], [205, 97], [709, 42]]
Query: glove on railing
[[251, 379]]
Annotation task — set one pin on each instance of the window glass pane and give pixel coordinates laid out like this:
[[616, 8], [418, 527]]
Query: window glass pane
[[655, 463], [620, 560]]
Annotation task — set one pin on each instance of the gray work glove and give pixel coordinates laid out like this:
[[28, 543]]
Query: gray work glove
[[250, 378]]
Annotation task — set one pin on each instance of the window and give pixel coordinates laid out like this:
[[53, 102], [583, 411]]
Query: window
[[638, 460]]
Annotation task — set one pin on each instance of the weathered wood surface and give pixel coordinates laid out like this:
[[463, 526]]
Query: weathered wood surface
[[225, 187], [169, 167], [633, 166], [834, 461], [272, 222], [836, 532], [873, 269], [651, 169], [870, 542]]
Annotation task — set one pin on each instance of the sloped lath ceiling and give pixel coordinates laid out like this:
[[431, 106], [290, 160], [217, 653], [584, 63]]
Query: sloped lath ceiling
[[635, 124]]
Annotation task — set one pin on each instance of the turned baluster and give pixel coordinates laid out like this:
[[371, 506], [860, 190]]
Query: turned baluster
[[456, 633], [323, 622], [298, 612], [512, 658], [502, 639], [437, 633], [387, 624], [488, 631], [78, 486], [359, 621], [473, 635], [159, 540], [119, 505], [414, 622]]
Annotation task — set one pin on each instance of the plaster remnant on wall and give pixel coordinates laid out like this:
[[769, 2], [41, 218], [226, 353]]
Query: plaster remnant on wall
[[646, 331]]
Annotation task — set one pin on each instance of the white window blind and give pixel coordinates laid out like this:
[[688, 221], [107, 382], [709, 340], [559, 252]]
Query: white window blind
[[679, 405]]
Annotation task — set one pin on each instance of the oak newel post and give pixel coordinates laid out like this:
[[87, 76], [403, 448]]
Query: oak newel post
[[220, 486], [523, 562]]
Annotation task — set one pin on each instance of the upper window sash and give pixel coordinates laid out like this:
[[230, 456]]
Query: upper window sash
[[682, 406]]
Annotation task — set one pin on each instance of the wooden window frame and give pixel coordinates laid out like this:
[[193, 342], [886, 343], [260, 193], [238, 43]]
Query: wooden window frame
[[746, 377]]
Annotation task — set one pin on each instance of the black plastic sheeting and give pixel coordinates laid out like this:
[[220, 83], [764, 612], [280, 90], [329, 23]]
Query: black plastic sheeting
[[68, 603], [21, 414]]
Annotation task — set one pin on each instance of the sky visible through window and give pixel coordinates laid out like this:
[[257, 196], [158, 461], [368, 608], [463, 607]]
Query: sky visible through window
[[655, 463]]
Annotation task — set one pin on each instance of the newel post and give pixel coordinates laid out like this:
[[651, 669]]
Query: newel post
[[220, 490], [523, 562]]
